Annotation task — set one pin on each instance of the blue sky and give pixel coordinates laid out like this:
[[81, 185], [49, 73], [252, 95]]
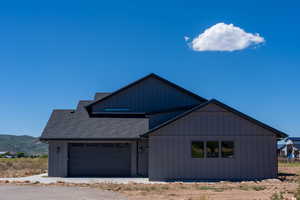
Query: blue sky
[[54, 53]]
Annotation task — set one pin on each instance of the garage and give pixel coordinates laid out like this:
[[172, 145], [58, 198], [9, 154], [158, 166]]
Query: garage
[[99, 160]]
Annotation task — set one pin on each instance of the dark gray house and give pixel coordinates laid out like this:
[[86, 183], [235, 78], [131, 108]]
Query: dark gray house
[[154, 128]]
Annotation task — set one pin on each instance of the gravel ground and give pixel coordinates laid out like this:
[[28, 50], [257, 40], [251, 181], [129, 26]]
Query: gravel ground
[[18, 192], [43, 178]]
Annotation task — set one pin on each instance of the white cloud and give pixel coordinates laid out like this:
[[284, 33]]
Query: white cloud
[[224, 37], [186, 38]]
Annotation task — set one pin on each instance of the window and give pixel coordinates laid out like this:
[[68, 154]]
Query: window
[[227, 149], [212, 149], [198, 149], [116, 109]]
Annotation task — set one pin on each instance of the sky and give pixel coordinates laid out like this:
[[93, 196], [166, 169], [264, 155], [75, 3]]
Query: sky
[[55, 53]]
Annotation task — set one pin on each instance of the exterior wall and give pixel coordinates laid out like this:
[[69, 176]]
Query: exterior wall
[[134, 159], [143, 157], [170, 148], [147, 96], [58, 159]]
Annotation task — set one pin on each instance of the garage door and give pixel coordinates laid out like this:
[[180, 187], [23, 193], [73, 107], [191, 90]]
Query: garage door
[[106, 159]]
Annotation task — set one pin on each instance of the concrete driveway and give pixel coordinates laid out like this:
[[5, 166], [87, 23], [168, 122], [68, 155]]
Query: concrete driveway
[[43, 178], [26, 192]]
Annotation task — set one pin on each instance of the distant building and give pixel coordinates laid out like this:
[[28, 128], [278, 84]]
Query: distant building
[[291, 148]]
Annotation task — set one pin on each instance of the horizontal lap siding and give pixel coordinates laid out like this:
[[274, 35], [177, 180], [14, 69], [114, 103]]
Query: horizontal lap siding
[[170, 148]]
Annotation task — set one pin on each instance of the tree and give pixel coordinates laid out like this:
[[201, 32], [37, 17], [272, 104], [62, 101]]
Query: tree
[[20, 154]]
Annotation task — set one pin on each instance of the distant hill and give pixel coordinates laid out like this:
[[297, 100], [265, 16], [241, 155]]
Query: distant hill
[[24, 143]]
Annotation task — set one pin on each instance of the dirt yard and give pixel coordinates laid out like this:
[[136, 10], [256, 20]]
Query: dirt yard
[[276, 189], [20, 167], [286, 187]]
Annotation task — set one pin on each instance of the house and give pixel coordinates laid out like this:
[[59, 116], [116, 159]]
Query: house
[[290, 148], [157, 129]]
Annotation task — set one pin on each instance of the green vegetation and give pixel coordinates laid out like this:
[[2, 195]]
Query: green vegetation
[[277, 196], [23, 144], [258, 188]]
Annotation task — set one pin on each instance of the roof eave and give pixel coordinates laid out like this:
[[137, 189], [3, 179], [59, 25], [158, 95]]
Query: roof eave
[[280, 135], [86, 139]]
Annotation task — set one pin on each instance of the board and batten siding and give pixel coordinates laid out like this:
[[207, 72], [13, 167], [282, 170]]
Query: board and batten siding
[[58, 159], [147, 96], [143, 158], [170, 148]]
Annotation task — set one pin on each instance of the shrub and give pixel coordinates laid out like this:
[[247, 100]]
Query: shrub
[[259, 188], [277, 196]]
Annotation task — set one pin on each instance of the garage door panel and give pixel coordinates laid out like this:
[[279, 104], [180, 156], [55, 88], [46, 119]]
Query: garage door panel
[[99, 159]]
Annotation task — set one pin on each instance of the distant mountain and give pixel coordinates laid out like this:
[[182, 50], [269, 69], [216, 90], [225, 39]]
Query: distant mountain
[[24, 143]]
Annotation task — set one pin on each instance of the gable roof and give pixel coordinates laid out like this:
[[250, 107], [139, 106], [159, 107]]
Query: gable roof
[[100, 95], [152, 75], [76, 124], [278, 133]]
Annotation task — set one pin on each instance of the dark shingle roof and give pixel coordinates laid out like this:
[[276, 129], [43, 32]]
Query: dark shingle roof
[[70, 124], [100, 95]]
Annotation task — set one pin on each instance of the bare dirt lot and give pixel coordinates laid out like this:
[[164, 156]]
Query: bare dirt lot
[[286, 187]]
